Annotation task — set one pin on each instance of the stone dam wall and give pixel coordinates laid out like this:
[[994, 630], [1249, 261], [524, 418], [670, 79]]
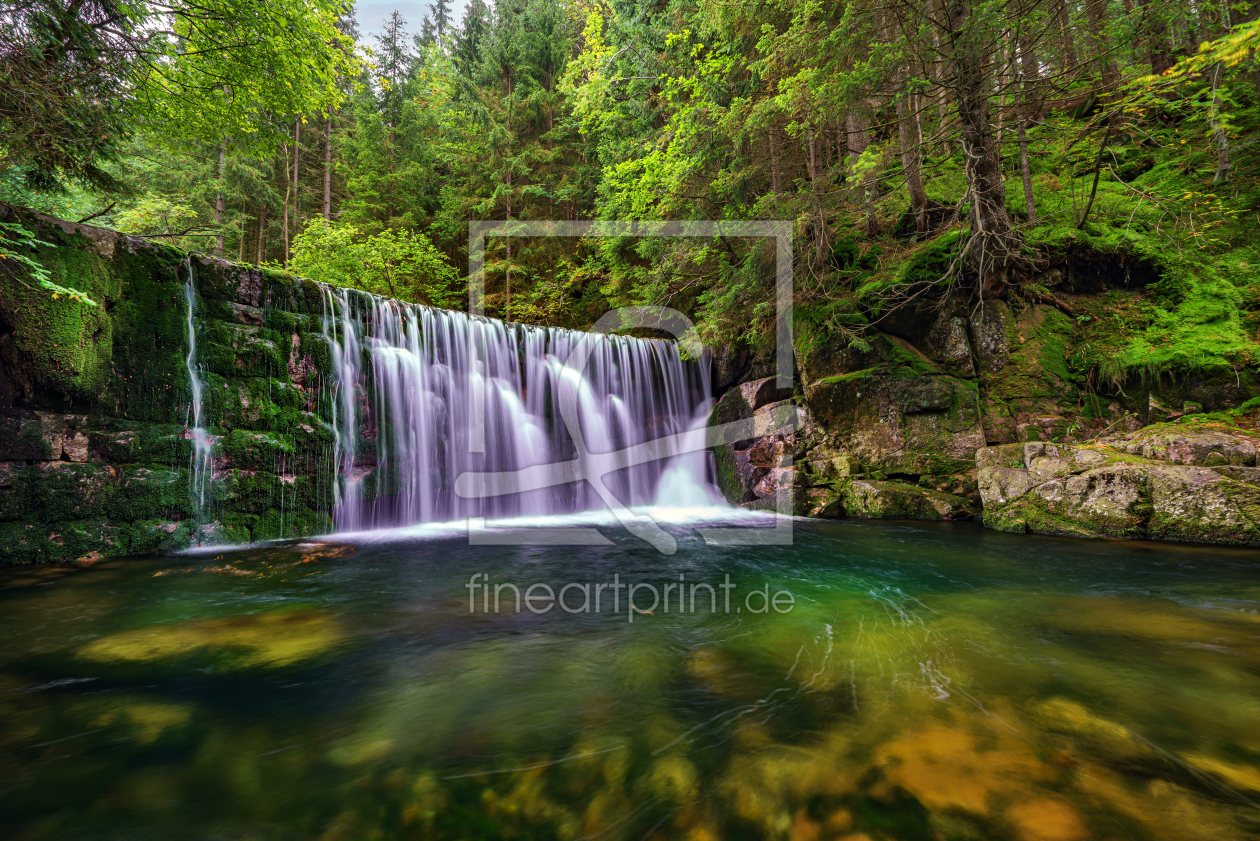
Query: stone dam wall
[[95, 450]]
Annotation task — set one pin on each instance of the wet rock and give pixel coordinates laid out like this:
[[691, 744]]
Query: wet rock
[[740, 402], [76, 539], [763, 392], [1002, 455], [140, 444], [33, 437], [143, 720], [65, 491], [152, 492], [772, 451], [830, 464], [673, 779], [949, 769], [1183, 444], [775, 479], [825, 503], [74, 447]]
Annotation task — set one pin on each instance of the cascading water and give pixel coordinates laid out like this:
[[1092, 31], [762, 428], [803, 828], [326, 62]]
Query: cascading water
[[202, 442], [413, 385]]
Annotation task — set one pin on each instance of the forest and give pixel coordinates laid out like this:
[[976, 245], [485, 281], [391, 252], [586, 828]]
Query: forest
[[944, 150]]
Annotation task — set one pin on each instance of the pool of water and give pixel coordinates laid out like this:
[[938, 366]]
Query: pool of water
[[906, 681]]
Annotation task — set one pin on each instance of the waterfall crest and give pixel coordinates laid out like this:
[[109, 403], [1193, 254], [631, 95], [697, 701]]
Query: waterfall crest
[[423, 396]]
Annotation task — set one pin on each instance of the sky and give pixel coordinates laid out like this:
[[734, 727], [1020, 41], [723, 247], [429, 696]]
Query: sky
[[372, 15]]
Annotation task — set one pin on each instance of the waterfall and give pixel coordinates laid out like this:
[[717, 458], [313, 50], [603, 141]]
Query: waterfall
[[202, 442], [412, 385]]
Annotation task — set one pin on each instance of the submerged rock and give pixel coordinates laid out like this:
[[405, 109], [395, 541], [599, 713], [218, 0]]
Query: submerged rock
[[264, 641], [1113, 741]]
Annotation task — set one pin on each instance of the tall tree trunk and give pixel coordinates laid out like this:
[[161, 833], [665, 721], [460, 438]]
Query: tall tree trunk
[[776, 178], [1096, 14], [993, 245], [1067, 42], [910, 138], [220, 205], [1025, 169], [1155, 32], [261, 247], [328, 169], [288, 189], [815, 198], [842, 145], [1223, 165], [942, 98], [297, 157], [859, 141], [1028, 107], [1006, 59]]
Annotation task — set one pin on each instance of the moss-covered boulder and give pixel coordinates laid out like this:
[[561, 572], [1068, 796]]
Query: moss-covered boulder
[[916, 425], [868, 498]]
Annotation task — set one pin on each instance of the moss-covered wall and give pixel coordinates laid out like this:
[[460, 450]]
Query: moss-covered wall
[[94, 400]]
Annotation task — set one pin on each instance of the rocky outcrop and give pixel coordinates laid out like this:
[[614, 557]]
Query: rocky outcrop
[[851, 455], [1195, 482]]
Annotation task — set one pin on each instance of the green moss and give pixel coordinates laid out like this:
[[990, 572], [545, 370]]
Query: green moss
[[24, 542], [864, 374], [151, 492], [255, 450], [77, 538], [70, 344], [727, 476], [153, 536], [931, 263], [65, 491], [141, 443], [275, 524]]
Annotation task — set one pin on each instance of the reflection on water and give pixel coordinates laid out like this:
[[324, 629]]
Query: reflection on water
[[929, 683]]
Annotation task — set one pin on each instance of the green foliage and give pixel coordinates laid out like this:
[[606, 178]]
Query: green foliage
[[400, 264], [82, 78], [15, 242]]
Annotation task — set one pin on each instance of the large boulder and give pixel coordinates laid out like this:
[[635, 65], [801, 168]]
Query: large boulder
[[908, 425]]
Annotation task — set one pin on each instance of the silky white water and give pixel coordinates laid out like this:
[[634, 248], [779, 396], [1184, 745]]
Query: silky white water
[[202, 442], [440, 416]]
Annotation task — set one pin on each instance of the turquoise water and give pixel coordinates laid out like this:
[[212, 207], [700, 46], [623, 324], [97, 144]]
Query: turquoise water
[[920, 682]]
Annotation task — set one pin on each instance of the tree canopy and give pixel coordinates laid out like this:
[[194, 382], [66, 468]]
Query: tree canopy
[[937, 149]]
